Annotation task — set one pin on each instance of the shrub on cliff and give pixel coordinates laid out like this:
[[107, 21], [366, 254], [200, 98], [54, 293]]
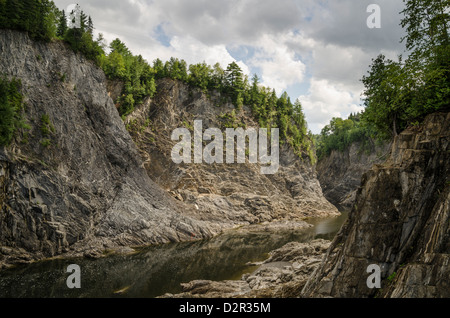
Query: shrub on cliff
[[11, 104]]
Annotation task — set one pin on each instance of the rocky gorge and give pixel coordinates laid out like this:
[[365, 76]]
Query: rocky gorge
[[228, 194], [282, 275], [87, 190], [340, 173], [83, 182], [399, 222], [98, 185]]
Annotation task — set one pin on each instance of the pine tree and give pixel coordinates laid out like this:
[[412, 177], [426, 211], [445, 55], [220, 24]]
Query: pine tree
[[62, 25], [83, 22], [234, 76], [14, 11], [90, 26]]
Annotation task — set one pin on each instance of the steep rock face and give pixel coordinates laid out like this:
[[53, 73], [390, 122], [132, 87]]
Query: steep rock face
[[340, 173], [228, 194], [84, 188], [400, 222]]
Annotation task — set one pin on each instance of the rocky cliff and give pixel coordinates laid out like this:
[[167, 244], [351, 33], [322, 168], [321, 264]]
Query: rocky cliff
[[400, 222], [340, 173], [228, 194], [77, 183]]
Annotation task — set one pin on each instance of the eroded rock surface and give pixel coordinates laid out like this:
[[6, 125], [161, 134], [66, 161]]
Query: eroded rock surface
[[282, 275], [79, 185], [76, 184], [340, 173], [400, 222], [227, 194]]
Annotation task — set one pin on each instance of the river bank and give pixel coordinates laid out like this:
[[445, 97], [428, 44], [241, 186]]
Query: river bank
[[158, 270], [282, 275]]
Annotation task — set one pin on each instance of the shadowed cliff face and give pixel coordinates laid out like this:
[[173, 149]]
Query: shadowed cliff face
[[340, 173], [228, 194], [400, 222], [85, 190]]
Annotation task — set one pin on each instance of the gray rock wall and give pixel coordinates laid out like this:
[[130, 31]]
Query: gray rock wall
[[87, 190], [82, 187], [227, 194], [400, 222], [340, 173]]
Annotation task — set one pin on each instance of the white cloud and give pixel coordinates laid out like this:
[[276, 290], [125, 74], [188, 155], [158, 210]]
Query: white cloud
[[287, 42], [278, 63], [193, 51], [326, 100]]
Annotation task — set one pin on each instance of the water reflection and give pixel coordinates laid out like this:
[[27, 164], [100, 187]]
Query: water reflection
[[159, 269]]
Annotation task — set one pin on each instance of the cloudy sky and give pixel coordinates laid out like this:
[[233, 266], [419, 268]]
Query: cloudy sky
[[315, 50]]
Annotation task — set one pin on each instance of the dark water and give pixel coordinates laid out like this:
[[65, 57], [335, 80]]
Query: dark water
[[157, 270]]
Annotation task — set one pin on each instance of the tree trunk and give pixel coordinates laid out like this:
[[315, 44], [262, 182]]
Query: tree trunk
[[394, 125]]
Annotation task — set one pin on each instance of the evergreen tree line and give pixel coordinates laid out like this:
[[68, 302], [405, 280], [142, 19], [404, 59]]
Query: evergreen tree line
[[269, 110], [38, 18], [401, 93], [45, 22]]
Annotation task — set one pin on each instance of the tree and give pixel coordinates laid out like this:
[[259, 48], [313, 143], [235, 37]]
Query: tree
[[176, 69], [7, 114], [90, 26], [234, 83], [10, 108], [101, 41], [119, 47], [14, 10], [427, 24], [218, 78], [200, 75], [234, 77], [299, 117], [62, 25], [401, 93], [83, 21], [386, 96], [158, 67]]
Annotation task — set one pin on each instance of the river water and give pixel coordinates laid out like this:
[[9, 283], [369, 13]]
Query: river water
[[157, 270]]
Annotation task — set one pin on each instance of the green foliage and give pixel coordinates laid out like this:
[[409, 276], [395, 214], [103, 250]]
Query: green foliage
[[38, 18], [46, 142], [200, 75], [176, 69], [62, 25], [229, 120], [398, 94], [340, 134], [11, 104], [47, 127], [127, 103], [392, 276], [82, 41], [137, 75], [43, 21]]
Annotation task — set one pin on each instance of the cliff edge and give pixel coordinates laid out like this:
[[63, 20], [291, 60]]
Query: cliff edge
[[400, 222]]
